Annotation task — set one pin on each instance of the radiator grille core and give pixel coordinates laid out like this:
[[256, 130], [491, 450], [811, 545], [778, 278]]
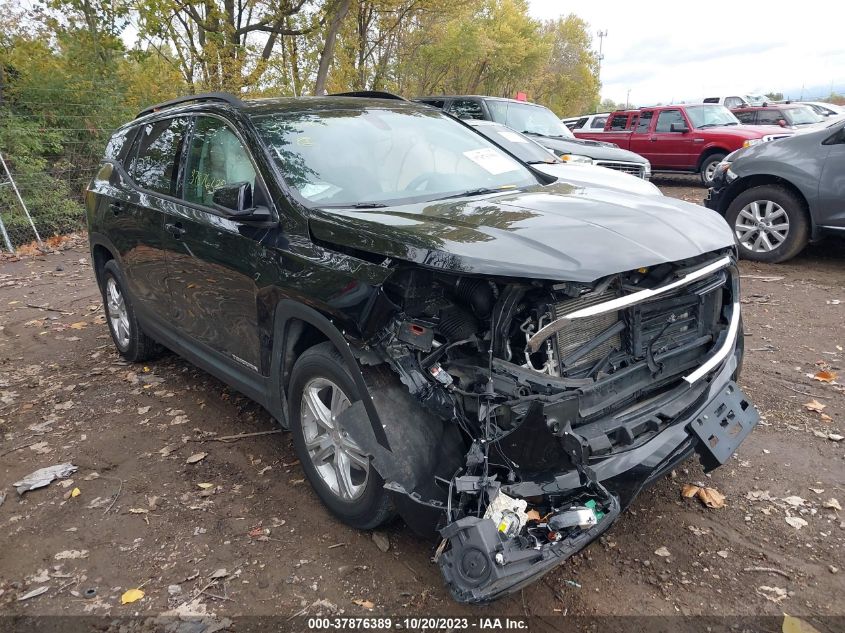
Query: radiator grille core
[[579, 332]]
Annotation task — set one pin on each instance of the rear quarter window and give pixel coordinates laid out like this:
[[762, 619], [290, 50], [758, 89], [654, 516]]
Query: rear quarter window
[[118, 144], [619, 122]]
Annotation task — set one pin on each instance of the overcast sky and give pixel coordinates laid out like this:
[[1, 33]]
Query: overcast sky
[[683, 51]]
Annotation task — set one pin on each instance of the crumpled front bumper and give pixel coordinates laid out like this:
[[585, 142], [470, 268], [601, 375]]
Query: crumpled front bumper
[[480, 565]]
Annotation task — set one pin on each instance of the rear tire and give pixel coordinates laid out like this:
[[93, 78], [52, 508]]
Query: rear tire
[[708, 168], [342, 475], [126, 332], [770, 224]]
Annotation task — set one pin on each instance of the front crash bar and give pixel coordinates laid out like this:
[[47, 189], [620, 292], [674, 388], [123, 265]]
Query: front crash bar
[[481, 566]]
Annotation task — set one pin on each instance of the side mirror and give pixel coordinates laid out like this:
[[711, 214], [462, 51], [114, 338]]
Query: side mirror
[[234, 199], [679, 127]]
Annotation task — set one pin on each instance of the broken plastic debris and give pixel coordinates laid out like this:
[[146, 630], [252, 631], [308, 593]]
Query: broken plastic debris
[[43, 477], [75, 493], [132, 595], [35, 592]]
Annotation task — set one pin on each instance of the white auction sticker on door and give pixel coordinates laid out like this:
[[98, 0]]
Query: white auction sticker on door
[[513, 137], [491, 161]]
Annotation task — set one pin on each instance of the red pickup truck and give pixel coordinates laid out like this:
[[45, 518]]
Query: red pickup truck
[[681, 138]]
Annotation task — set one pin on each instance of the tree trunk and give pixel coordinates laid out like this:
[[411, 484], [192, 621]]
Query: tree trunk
[[328, 46]]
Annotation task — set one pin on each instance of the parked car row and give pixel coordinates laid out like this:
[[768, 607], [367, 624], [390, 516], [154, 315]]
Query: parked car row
[[682, 138]]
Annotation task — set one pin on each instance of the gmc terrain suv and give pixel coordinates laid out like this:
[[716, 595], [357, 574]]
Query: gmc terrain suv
[[449, 334]]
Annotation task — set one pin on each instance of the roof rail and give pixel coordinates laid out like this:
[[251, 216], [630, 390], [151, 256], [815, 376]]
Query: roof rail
[[207, 96], [371, 94]]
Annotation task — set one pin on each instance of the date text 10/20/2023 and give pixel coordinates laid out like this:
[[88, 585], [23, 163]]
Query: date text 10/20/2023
[[416, 623]]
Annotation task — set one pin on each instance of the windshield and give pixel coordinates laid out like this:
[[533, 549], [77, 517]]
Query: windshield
[[359, 157], [801, 116], [710, 116], [517, 144], [528, 118], [756, 100]]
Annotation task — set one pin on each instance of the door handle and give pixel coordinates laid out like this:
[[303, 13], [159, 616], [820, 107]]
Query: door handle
[[117, 207], [175, 230]]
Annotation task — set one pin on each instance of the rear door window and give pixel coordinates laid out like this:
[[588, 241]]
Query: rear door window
[[467, 109], [769, 117], [619, 122], [598, 122], [746, 117], [645, 122], [156, 164]]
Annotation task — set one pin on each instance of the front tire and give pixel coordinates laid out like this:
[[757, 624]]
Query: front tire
[[321, 387], [126, 332], [708, 168], [770, 224]]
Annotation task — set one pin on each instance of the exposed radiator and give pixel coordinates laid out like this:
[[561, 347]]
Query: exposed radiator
[[581, 331]]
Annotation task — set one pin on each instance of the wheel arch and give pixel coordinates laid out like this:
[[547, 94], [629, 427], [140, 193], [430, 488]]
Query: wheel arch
[[102, 250], [298, 327], [758, 180], [708, 152]]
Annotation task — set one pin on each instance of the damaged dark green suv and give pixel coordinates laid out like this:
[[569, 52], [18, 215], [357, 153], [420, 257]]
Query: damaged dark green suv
[[449, 335]]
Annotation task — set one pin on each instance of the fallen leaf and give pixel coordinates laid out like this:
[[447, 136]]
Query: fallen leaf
[[815, 405], [825, 376], [75, 493], [833, 504], [794, 501], [205, 486], [196, 457], [138, 511], [711, 497], [794, 625], [835, 437], [219, 573], [662, 551], [132, 595], [796, 522], [825, 417], [723, 553], [143, 410], [78, 325], [365, 603], [818, 491], [689, 491]]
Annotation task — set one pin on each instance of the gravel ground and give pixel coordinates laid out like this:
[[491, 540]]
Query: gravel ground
[[240, 532]]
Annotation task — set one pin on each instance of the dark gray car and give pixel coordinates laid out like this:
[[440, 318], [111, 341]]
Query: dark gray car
[[545, 127], [778, 196]]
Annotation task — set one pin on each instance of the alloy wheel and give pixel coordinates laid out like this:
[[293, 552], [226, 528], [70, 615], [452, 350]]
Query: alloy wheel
[[117, 313], [336, 457], [710, 171], [762, 226]]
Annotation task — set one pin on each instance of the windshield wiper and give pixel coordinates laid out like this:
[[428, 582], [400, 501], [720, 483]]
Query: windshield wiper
[[357, 205], [473, 192], [551, 161]]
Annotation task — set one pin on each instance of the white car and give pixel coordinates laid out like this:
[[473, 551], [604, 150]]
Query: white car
[[591, 122], [544, 160], [825, 109]]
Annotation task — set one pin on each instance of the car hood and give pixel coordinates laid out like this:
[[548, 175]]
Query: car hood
[[595, 176], [597, 150], [555, 232], [753, 131]]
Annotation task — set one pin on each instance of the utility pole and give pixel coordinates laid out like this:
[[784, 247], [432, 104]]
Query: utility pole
[[627, 98], [602, 35]]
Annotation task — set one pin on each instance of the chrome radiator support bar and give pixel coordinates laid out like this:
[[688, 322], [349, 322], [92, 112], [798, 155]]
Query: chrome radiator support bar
[[623, 302]]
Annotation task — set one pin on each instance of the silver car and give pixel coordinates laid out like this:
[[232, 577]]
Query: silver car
[[778, 196]]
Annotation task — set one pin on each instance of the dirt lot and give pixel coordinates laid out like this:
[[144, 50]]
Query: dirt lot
[[144, 517]]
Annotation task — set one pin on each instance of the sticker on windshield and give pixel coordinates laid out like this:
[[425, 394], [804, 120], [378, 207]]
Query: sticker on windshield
[[491, 161], [513, 137]]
